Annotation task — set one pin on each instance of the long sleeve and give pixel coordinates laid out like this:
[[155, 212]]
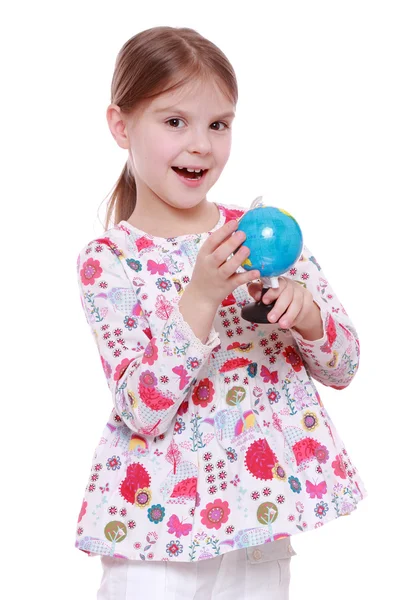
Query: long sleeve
[[149, 376], [332, 360]]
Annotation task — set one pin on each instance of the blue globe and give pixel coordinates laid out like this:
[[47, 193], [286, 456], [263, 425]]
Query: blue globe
[[274, 239]]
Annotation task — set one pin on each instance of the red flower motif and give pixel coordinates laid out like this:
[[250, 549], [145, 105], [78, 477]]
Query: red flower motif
[[144, 242], [203, 393], [293, 358], [331, 330], [215, 514], [90, 271]]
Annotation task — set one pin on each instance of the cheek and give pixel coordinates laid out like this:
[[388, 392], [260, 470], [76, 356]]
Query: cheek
[[223, 150]]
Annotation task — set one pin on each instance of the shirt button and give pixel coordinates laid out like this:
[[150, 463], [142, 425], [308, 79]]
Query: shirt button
[[257, 554]]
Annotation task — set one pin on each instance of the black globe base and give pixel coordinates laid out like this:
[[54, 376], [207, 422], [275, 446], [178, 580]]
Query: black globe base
[[257, 312]]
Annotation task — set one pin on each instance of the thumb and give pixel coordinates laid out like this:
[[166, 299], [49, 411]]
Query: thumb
[[254, 288]]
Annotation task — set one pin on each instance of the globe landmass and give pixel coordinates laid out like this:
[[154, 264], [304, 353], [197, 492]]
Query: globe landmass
[[274, 239]]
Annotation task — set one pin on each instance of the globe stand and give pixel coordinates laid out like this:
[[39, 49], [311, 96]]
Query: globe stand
[[275, 241], [257, 312]]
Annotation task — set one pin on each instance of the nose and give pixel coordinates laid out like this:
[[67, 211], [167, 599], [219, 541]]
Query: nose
[[199, 141]]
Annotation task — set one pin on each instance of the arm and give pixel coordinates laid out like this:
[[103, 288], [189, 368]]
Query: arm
[[333, 358], [149, 376]]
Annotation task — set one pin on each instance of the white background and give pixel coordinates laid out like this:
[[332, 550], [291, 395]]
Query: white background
[[317, 133]]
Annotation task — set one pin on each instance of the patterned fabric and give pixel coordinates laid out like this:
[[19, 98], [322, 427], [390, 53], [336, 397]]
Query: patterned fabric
[[216, 446]]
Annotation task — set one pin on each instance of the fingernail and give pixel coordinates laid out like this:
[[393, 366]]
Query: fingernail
[[271, 317]]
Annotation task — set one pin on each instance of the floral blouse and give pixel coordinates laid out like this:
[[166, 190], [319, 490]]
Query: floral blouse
[[208, 447]]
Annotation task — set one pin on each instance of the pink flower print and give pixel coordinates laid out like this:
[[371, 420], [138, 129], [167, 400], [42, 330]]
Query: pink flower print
[[121, 368], [90, 271], [321, 454], [148, 379], [215, 514]]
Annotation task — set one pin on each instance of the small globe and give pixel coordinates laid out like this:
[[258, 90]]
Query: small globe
[[274, 239]]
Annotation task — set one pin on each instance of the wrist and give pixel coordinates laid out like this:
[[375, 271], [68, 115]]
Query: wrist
[[199, 299], [312, 328]]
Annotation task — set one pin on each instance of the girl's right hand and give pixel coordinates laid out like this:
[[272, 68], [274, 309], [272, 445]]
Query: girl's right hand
[[214, 277]]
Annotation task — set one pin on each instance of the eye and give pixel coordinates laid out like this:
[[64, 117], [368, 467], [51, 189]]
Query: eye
[[170, 120], [176, 119], [226, 126]]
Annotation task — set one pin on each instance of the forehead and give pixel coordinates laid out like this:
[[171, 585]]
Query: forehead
[[189, 96]]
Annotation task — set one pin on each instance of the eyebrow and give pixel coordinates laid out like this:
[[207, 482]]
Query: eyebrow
[[188, 114]]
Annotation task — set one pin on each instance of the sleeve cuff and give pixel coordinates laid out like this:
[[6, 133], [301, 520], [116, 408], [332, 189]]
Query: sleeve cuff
[[321, 341], [212, 341]]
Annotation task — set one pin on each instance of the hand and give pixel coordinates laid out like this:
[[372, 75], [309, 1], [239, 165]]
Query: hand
[[294, 307], [214, 277]]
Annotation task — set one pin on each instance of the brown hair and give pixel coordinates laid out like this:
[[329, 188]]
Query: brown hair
[[155, 61]]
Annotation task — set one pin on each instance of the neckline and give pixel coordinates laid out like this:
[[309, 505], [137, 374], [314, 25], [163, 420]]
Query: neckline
[[141, 233]]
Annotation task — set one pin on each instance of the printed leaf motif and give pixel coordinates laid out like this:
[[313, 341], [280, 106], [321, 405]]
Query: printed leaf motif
[[174, 455], [163, 308]]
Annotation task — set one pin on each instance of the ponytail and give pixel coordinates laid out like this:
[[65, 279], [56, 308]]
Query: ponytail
[[122, 199]]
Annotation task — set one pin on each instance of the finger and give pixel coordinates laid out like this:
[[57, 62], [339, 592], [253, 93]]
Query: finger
[[281, 304], [232, 246], [246, 277], [274, 293], [294, 309], [218, 236], [233, 263]]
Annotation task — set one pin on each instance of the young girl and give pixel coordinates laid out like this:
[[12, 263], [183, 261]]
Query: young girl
[[218, 447]]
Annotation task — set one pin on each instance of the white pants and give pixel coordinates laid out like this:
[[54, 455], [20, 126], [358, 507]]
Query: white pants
[[256, 573]]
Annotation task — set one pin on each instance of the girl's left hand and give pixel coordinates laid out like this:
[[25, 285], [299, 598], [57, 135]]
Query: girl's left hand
[[291, 297]]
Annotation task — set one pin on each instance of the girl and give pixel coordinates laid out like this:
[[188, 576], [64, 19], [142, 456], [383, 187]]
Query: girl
[[218, 447]]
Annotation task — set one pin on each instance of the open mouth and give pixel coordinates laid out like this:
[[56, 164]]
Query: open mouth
[[188, 174]]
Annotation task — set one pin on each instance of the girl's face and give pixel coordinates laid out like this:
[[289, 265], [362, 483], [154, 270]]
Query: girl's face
[[189, 127]]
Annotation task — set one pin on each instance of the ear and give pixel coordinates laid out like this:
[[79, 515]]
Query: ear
[[118, 124]]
